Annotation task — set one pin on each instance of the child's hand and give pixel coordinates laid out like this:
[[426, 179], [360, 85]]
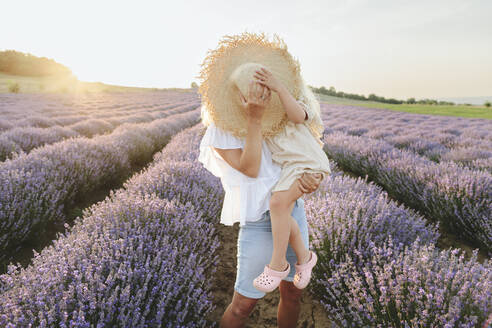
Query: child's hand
[[266, 78], [310, 182], [294, 111]]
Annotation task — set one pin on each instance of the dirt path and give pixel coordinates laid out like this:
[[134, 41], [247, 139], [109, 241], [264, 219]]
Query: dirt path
[[264, 315]]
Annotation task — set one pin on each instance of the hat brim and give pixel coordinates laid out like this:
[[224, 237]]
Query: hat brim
[[221, 97]]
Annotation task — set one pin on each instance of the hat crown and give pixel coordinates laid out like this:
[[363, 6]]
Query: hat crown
[[243, 74]]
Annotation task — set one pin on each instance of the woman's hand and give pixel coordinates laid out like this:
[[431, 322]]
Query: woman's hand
[[266, 78], [310, 182], [258, 98]]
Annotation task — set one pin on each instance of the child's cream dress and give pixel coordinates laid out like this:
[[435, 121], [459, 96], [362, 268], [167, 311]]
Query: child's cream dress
[[297, 150]]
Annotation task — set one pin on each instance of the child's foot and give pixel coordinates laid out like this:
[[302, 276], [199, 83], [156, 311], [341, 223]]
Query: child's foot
[[269, 279], [303, 271]]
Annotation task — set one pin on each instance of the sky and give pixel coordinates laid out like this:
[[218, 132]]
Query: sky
[[392, 48]]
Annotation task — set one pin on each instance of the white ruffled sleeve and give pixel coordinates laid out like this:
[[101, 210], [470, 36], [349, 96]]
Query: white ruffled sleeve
[[212, 161]]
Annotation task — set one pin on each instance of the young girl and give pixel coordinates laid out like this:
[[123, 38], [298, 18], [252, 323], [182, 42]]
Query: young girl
[[297, 149]]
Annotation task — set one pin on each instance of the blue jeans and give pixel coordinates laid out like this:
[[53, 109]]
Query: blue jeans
[[255, 248]]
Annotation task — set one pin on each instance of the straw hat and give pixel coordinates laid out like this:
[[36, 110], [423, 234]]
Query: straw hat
[[229, 69]]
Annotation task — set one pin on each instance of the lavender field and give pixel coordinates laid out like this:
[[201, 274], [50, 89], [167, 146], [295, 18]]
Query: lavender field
[[409, 155], [147, 254], [40, 187], [466, 141], [34, 120]]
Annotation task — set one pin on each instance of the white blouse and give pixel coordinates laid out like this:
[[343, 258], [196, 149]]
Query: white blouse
[[246, 198]]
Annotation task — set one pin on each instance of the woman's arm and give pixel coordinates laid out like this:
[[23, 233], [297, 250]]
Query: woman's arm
[[248, 160]]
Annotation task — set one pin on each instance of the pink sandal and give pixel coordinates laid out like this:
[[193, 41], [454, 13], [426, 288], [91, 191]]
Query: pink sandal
[[269, 279], [303, 271]]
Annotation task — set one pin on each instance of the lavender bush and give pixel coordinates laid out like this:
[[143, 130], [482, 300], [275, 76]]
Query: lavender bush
[[189, 179], [25, 139], [413, 285], [347, 215], [5, 125], [132, 261]]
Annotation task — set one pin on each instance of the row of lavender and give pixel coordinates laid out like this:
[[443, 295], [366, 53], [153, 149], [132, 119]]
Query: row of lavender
[[46, 110], [25, 139], [143, 257], [66, 118], [35, 188], [378, 265], [459, 198], [440, 138], [396, 122]]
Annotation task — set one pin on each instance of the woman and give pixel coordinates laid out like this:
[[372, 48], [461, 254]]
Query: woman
[[250, 158]]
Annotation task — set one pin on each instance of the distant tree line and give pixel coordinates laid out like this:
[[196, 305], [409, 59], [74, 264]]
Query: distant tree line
[[18, 63], [332, 92]]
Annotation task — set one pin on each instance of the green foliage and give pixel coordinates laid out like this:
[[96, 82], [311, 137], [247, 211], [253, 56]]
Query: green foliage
[[194, 85], [14, 87], [18, 63], [373, 97], [487, 104]]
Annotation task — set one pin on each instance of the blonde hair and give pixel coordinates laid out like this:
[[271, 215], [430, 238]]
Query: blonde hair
[[205, 115], [316, 125]]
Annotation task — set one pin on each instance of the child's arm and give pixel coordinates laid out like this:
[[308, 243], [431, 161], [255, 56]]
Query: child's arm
[[294, 110]]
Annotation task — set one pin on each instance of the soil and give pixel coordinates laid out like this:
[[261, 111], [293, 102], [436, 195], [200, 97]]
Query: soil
[[264, 315]]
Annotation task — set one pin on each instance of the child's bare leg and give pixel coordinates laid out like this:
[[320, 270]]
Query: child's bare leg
[[296, 242], [281, 205]]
